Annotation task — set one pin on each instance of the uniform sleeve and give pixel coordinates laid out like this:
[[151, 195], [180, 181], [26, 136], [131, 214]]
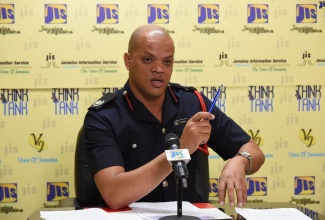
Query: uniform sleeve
[[227, 137], [101, 147]]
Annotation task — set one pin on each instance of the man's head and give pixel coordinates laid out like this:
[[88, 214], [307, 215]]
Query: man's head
[[149, 60]]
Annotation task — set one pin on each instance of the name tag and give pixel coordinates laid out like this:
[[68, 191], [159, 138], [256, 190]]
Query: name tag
[[180, 122]]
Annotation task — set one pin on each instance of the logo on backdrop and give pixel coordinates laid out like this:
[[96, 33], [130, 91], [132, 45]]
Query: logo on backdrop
[[50, 59], [306, 13], [306, 57], [257, 13], [55, 13], [57, 191], [208, 13], [107, 14], [256, 137], [321, 4], [7, 16], [256, 186], [258, 65], [306, 137], [304, 185], [213, 189], [158, 14], [8, 192], [210, 92], [261, 98], [308, 97], [223, 57], [7, 13], [37, 142], [15, 101], [65, 101]]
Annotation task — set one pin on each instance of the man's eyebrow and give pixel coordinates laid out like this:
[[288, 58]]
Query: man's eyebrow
[[168, 57]]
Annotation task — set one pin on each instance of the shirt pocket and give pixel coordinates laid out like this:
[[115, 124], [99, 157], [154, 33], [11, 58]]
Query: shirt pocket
[[142, 150]]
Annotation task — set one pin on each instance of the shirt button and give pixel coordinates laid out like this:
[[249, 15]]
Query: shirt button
[[165, 184], [134, 146], [163, 131]]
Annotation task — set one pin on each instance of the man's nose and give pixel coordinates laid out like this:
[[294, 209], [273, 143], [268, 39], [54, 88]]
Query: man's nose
[[157, 68]]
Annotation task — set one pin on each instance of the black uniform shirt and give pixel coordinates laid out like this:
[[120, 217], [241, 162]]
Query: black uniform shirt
[[120, 131]]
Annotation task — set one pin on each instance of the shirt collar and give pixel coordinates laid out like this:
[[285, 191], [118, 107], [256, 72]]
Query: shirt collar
[[170, 105]]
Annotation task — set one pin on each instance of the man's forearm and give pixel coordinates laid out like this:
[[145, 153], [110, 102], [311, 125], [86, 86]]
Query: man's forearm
[[119, 188]]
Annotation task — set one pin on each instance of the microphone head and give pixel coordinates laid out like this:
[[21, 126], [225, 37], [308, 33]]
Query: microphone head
[[172, 141]]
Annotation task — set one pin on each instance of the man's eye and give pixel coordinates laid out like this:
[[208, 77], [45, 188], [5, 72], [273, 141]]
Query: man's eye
[[147, 60], [168, 62]]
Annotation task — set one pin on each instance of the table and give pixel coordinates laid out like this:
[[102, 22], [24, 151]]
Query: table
[[229, 210]]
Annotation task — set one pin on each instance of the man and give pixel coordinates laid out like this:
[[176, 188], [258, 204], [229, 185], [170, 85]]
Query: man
[[124, 133]]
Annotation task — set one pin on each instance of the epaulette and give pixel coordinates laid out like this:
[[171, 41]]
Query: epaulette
[[179, 86], [103, 100]]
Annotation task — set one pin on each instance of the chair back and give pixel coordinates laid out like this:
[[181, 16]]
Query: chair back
[[87, 194]]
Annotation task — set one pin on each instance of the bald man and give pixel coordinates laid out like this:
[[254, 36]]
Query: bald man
[[124, 133]]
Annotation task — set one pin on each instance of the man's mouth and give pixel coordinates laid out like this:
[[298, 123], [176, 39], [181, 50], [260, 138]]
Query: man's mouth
[[157, 83]]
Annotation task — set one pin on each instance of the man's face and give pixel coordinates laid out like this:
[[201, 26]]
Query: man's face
[[150, 66]]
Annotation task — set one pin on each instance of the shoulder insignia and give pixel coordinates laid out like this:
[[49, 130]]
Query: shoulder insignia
[[179, 86], [103, 100]]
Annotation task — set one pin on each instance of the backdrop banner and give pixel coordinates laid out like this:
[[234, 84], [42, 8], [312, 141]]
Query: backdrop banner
[[58, 58]]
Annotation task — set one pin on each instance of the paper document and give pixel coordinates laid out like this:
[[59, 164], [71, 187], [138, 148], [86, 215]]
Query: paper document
[[155, 211], [271, 214], [87, 214]]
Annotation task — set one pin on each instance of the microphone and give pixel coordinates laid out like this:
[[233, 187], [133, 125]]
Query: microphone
[[178, 158]]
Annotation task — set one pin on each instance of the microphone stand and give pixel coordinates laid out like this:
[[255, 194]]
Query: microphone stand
[[181, 175]]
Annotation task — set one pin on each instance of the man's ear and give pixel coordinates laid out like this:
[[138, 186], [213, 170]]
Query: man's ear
[[127, 60]]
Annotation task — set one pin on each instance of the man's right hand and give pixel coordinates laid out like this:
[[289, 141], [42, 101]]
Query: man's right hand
[[197, 131]]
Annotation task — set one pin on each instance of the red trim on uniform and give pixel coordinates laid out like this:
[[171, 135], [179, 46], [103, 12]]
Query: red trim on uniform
[[203, 147], [204, 108], [173, 95], [128, 100]]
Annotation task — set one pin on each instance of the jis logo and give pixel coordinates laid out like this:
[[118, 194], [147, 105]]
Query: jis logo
[[107, 14], [261, 98], [321, 4], [208, 14], [57, 191], [7, 13], [308, 97], [158, 14], [55, 13], [213, 190], [304, 185], [8, 192], [65, 101], [15, 101], [257, 13], [306, 13], [177, 154], [257, 186]]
